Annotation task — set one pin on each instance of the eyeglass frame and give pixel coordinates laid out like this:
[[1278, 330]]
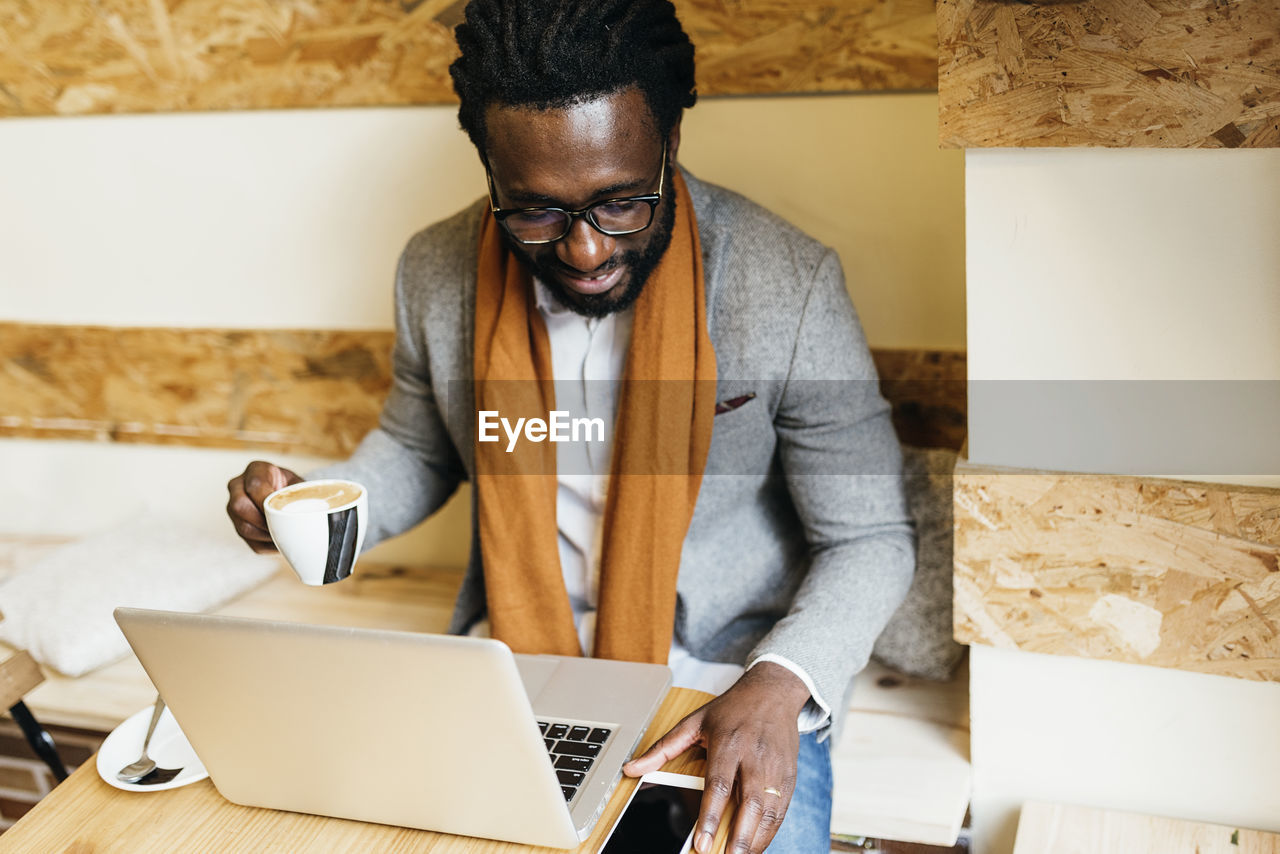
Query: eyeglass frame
[[652, 199]]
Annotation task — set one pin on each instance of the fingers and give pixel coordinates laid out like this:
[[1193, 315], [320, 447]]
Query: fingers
[[246, 493], [678, 739], [722, 771], [762, 805], [261, 479], [760, 780]]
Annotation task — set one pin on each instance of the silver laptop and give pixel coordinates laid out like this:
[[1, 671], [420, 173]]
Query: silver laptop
[[436, 732]]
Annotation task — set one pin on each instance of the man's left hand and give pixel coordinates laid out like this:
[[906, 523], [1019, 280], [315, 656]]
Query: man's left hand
[[752, 741]]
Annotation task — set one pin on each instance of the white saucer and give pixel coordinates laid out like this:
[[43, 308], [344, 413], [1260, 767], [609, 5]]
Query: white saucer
[[169, 748]]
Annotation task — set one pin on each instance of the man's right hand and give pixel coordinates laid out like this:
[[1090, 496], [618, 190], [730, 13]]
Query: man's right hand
[[248, 491]]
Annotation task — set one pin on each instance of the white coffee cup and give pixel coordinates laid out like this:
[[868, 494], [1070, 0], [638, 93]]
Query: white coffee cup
[[319, 525]]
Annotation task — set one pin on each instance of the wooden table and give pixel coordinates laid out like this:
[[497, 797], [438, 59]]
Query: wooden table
[[901, 769], [85, 815]]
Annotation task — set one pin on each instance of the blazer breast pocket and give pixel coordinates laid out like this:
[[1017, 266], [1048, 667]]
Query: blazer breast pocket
[[726, 406], [742, 438]]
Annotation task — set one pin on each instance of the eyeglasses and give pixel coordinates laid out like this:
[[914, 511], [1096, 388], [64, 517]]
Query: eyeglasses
[[612, 217]]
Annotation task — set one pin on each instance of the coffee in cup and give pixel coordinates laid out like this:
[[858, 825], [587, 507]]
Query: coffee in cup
[[319, 525], [308, 497]]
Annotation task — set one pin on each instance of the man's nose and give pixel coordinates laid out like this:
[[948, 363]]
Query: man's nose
[[583, 248]]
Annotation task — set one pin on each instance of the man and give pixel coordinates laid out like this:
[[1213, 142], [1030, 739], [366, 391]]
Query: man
[[595, 267]]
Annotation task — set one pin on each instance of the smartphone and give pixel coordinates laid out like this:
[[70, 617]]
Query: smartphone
[[659, 817]]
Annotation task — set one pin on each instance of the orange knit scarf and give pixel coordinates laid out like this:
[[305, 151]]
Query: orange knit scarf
[[662, 433]]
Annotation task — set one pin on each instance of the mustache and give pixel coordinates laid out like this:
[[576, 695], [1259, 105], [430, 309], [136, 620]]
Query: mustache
[[607, 267], [548, 266]]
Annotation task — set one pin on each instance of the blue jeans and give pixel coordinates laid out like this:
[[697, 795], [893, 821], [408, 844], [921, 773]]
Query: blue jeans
[[806, 829]]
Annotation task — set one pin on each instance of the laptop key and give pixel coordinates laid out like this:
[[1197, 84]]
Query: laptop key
[[577, 748], [599, 735], [550, 743], [558, 731], [569, 778], [578, 733], [569, 792], [573, 763], [542, 727]]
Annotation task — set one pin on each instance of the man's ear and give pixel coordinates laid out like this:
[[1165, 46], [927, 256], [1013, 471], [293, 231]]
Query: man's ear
[[673, 142]]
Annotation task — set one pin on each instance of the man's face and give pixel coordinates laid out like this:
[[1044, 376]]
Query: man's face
[[570, 158]]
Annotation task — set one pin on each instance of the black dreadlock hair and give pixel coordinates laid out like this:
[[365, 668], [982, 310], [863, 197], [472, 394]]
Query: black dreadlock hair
[[554, 53]]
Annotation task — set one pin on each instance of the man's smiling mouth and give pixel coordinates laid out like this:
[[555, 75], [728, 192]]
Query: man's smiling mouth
[[591, 285]]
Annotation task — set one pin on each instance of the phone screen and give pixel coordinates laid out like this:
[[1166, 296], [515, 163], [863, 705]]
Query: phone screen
[[658, 820]]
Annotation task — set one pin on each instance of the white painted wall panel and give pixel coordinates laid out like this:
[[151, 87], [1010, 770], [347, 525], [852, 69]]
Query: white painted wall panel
[[295, 218], [283, 218], [1123, 308], [1122, 736], [1123, 264]]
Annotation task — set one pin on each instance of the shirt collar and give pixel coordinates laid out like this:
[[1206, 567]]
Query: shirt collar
[[546, 301]]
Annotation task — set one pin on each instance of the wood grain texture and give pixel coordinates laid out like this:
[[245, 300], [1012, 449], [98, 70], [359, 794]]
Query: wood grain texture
[[19, 673], [929, 393], [1144, 570], [789, 46], [85, 814], [1062, 829], [901, 766], [119, 56], [296, 391], [1116, 73]]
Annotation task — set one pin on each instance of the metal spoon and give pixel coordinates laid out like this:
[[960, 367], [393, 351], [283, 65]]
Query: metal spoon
[[135, 771]]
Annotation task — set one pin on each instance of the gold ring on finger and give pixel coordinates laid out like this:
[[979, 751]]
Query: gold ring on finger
[[770, 790]]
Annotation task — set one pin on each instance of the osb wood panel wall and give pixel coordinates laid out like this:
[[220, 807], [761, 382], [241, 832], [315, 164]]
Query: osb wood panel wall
[[295, 391], [1120, 73], [300, 391], [1143, 570], [115, 56]]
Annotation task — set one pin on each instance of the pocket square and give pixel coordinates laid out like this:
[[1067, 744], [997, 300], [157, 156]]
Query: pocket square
[[733, 403]]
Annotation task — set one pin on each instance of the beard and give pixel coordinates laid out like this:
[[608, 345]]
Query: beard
[[640, 264]]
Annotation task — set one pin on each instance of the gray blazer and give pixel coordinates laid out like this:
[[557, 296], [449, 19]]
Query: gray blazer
[[800, 545]]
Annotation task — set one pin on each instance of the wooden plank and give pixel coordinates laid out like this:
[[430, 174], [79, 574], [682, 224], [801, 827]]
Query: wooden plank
[[1061, 829], [289, 391], [296, 391], [1116, 73], [1145, 570], [901, 766], [119, 56], [19, 673]]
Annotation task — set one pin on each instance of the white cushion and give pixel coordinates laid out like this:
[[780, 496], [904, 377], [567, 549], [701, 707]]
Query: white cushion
[[59, 606]]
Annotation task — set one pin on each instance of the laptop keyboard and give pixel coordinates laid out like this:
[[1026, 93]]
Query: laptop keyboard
[[573, 749]]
